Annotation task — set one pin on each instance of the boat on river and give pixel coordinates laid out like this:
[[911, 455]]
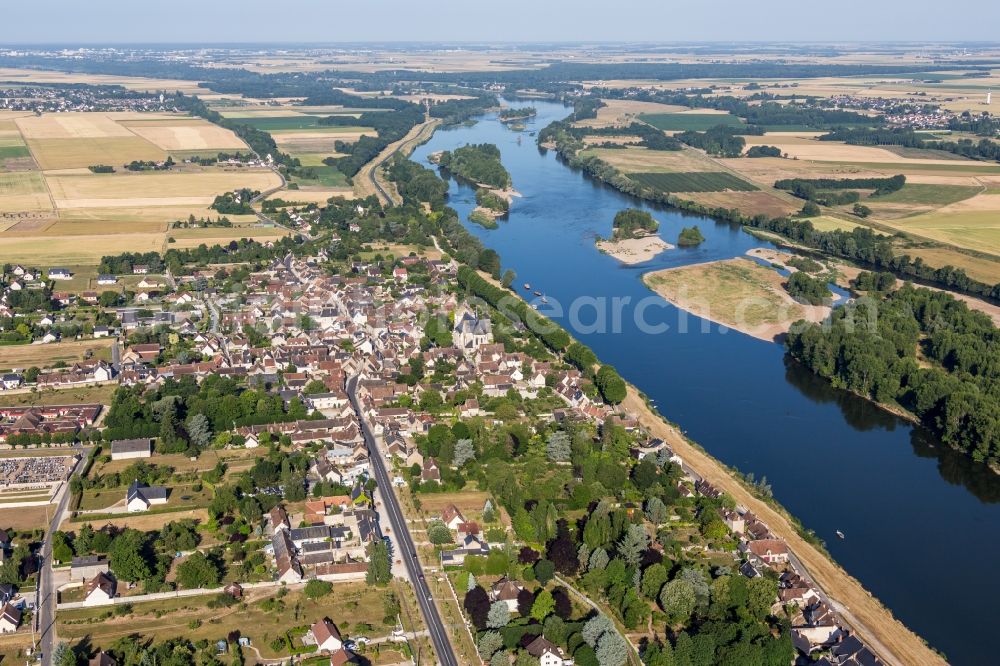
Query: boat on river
[[840, 534], [527, 286]]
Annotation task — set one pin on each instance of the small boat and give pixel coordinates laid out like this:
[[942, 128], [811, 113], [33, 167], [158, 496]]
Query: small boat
[[840, 534], [537, 293], [527, 286], [544, 300], [534, 306]]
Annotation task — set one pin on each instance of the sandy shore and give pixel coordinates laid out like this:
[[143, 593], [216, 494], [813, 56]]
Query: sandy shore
[[634, 251], [737, 293]]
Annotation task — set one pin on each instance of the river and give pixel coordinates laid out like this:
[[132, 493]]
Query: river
[[914, 513]]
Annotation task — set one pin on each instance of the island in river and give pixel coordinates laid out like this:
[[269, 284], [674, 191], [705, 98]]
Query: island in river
[[632, 251], [738, 293]]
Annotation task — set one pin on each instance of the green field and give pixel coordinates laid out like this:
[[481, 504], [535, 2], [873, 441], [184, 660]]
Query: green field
[[921, 193], [711, 181], [14, 152], [698, 122], [272, 123], [326, 176]]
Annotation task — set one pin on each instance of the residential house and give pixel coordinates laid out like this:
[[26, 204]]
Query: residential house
[[100, 590], [326, 635], [10, 619], [140, 496], [506, 590], [547, 653]]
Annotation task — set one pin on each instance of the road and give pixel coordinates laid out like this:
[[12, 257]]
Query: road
[[403, 541], [404, 143], [45, 594]]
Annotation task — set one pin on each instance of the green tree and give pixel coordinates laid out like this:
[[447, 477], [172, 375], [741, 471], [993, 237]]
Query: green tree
[[126, 556], [499, 615], [379, 568], [199, 570], [543, 606], [439, 534], [557, 448], [677, 599], [317, 588], [199, 430], [544, 571], [653, 579]]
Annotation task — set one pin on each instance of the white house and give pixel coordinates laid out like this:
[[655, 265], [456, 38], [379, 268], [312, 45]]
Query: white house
[[10, 619], [326, 635], [100, 590], [123, 449], [140, 497], [547, 653], [60, 274]]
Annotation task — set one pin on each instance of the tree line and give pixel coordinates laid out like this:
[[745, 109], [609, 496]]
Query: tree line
[[874, 347]]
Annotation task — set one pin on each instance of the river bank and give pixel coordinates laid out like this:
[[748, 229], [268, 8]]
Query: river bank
[[826, 453], [867, 616]]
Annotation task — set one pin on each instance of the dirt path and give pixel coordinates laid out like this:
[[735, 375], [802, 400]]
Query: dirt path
[[872, 621], [363, 185]]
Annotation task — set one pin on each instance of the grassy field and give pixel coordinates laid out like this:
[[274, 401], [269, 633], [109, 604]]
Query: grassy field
[[974, 230], [325, 176], [64, 396], [283, 122], [642, 160], [351, 606], [26, 356], [681, 122], [186, 134], [927, 194], [982, 269], [828, 223], [26, 517], [692, 182], [738, 293]]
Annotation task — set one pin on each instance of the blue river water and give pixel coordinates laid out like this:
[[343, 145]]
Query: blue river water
[[919, 519]]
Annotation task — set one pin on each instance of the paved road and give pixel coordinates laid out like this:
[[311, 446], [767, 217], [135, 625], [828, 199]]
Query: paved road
[[45, 595], [403, 542]]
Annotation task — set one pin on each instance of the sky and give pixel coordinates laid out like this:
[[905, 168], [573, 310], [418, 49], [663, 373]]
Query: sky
[[226, 21]]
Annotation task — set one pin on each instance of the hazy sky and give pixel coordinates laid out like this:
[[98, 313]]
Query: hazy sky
[[135, 21]]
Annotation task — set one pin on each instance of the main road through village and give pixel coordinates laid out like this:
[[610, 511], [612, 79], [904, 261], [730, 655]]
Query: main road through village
[[403, 541]]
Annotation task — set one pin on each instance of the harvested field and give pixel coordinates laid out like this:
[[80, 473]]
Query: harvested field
[[26, 518], [975, 230], [623, 112], [979, 268], [697, 121], [750, 203], [131, 82], [187, 135], [318, 196], [638, 159], [153, 188], [835, 151], [23, 192], [187, 238], [86, 151], [76, 249], [718, 181], [737, 293], [827, 223], [42, 356], [71, 126]]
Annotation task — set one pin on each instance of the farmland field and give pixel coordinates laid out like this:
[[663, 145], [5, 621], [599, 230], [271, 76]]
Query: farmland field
[[921, 193], [186, 134], [187, 238], [692, 182], [153, 188], [681, 122], [283, 122], [23, 192], [750, 203], [25, 356], [87, 249], [637, 159]]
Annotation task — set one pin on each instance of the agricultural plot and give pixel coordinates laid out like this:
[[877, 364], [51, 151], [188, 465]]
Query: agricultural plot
[[622, 112], [162, 188], [750, 203], [297, 121], [186, 134], [682, 122], [87, 249], [23, 192], [75, 153], [718, 181], [630, 160], [42, 356], [188, 238], [975, 230]]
